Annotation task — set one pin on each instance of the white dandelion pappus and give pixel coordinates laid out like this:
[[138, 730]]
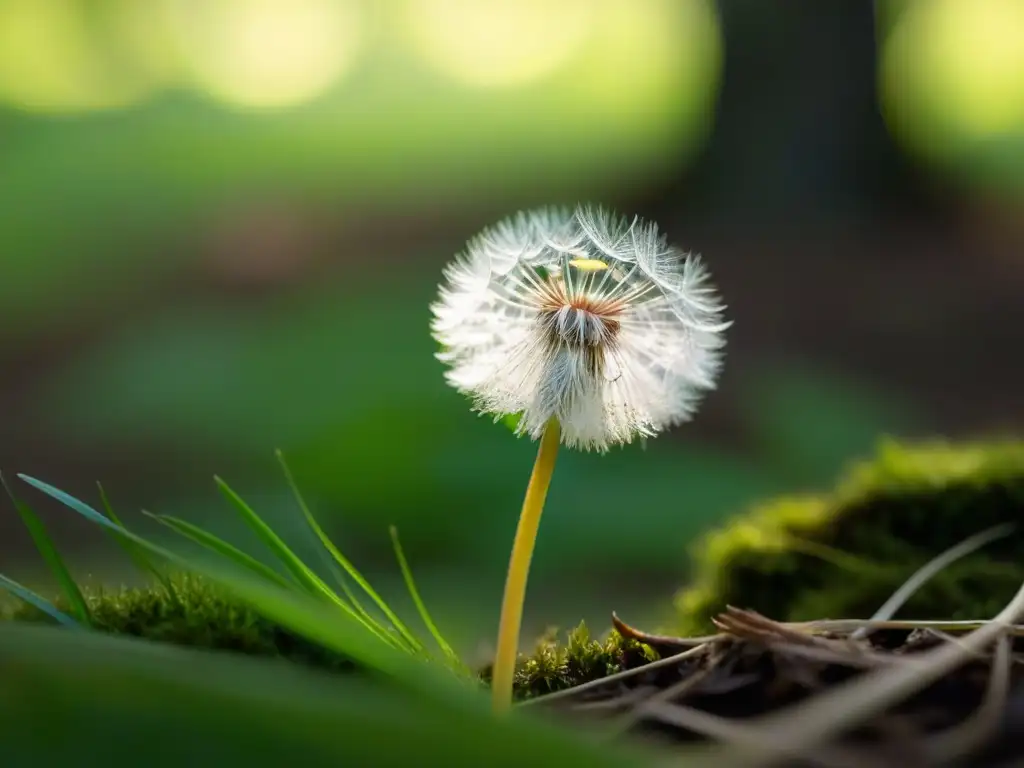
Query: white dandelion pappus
[[584, 317]]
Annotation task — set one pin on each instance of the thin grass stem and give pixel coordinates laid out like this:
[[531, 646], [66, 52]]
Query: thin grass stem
[[407, 638], [414, 593]]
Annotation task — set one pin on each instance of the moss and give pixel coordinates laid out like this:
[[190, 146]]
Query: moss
[[200, 615], [843, 553], [554, 667]]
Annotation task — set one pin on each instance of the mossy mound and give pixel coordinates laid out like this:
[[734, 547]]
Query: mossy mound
[[555, 667], [197, 615], [200, 615], [842, 554]]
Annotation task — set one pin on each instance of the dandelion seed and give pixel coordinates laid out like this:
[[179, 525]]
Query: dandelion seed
[[591, 328], [582, 317]]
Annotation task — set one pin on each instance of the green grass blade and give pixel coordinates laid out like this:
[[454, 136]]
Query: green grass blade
[[346, 564], [410, 584], [330, 563], [48, 550], [221, 547], [44, 605], [142, 562], [138, 555], [345, 633], [350, 595], [70, 501], [302, 572], [207, 711], [116, 529], [91, 514], [292, 562]]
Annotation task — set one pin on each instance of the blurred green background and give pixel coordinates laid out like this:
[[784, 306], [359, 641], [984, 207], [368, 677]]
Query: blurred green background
[[222, 222]]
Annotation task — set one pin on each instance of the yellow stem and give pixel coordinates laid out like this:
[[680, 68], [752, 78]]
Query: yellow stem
[[519, 568]]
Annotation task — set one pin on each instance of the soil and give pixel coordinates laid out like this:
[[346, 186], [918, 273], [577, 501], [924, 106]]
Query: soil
[[704, 689]]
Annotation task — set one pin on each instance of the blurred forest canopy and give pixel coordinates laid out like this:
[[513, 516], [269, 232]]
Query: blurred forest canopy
[[223, 221]]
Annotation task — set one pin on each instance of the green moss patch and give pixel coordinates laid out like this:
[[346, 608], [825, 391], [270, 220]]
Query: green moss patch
[[554, 666], [842, 554], [196, 615], [200, 615]]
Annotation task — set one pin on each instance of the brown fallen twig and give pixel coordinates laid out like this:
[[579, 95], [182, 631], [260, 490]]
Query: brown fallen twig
[[658, 641]]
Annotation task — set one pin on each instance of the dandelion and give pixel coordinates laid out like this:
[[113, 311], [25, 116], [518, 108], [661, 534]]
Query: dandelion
[[589, 328]]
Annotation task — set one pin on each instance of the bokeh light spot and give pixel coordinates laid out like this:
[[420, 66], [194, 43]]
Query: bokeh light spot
[[953, 72], [496, 43], [267, 53], [59, 56], [647, 53]]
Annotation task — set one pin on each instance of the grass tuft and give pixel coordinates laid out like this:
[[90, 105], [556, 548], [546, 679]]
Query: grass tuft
[[304, 580], [205, 609], [292, 605]]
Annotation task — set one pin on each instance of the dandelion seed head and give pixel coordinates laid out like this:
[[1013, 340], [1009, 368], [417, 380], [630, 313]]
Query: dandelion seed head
[[582, 316]]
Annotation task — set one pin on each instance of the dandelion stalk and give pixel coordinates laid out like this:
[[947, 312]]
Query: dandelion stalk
[[519, 567]]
